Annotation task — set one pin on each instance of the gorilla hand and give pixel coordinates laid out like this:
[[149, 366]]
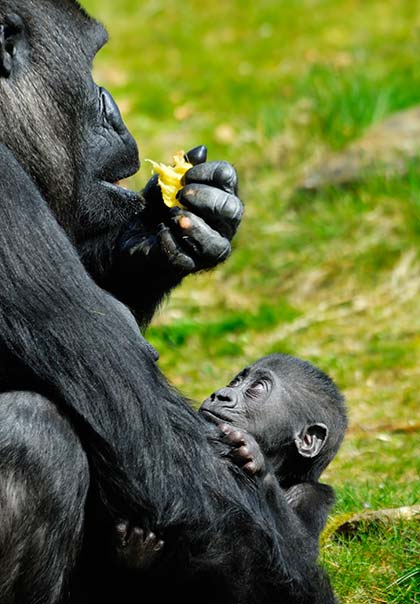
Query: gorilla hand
[[180, 241], [134, 548], [245, 451]]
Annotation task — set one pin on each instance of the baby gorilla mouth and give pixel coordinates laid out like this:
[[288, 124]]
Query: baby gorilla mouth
[[213, 417]]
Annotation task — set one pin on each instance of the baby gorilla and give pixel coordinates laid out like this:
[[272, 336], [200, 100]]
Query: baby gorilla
[[284, 420]]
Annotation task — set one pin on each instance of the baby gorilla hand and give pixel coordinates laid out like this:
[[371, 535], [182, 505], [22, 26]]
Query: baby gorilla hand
[[246, 452], [135, 549]]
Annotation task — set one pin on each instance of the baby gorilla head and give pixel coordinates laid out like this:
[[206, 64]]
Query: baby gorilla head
[[294, 411]]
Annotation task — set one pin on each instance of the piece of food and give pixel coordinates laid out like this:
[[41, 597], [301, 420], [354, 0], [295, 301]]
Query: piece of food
[[170, 177]]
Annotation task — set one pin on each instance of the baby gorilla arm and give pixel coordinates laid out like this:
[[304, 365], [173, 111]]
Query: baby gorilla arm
[[310, 501]]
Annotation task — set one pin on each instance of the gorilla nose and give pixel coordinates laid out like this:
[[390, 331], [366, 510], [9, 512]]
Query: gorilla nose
[[112, 112], [224, 395]]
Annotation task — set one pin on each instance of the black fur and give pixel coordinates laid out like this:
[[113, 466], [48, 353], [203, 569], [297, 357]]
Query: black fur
[[285, 420], [142, 440], [91, 431]]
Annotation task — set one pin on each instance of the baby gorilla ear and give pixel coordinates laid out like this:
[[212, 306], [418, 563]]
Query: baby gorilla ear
[[311, 439], [11, 30]]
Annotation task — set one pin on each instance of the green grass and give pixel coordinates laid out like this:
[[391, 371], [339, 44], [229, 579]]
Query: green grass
[[333, 277]]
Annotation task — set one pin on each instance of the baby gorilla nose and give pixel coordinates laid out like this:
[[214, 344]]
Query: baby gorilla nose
[[223, 395], [220, 406]]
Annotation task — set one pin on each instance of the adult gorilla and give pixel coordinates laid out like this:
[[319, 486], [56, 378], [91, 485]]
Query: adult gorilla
[[90, 431]]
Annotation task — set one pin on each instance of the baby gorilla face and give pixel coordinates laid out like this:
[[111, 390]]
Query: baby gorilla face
[[252, 402], [292, 409]]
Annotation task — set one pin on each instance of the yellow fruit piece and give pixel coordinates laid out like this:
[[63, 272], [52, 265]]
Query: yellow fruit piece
[[170, 177]]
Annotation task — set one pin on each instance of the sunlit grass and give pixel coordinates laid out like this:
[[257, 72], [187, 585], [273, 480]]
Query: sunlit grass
[[333, 277]]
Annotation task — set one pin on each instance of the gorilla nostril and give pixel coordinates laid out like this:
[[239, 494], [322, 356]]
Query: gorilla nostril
[[111, 110], [224, 395]]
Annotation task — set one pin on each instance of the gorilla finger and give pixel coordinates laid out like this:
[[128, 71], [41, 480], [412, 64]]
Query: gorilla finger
[[147, 245], [198, 155], [244, 453], [150, 539], [220, 174], [250, 468], [226, 428], [121, 531], [236, 438], [176, 256], [222, 210], [136, 540], [257, 461], [207, 246]]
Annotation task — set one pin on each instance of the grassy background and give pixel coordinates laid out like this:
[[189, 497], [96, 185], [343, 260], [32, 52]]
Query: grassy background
[[334, 277]]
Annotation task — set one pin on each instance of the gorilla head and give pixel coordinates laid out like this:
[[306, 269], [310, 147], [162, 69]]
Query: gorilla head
[[294, 411], [72, 140]]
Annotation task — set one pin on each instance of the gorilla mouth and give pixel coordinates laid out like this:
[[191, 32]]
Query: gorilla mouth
[[119, 185], [213, 417]]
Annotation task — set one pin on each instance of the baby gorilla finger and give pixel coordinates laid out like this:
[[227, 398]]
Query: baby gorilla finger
[[219, 174], [246, 452], [251, 468], [221, 209], [234, 437], [248, 459], [241, 455]]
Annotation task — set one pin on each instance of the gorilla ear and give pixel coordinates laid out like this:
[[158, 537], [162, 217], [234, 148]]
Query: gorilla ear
[[11, 30], [311, 439]]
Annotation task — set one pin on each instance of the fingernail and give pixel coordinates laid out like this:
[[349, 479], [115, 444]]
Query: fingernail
[[185, 223]]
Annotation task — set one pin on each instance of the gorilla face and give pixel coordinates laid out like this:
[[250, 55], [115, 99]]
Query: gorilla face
[[293, 410], [65, 130], [252, 401]]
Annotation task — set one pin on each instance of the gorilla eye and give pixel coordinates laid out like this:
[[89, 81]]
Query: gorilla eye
[[257, 387]]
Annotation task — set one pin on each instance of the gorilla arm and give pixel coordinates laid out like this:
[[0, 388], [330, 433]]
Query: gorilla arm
[[310, 501]]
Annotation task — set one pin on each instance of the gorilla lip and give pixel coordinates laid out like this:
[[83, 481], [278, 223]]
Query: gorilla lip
[[212, 417], [122, 184], [120, 187]]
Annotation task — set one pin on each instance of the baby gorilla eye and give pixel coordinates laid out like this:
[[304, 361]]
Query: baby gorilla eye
[[257, 388], [260, 385]]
